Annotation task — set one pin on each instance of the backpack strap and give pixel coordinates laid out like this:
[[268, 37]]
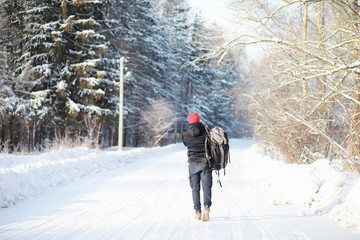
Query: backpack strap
[[218, 180], [207, 147], [207, 129], [229, 146]]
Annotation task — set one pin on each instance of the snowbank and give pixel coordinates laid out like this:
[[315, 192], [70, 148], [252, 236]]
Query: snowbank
[[319, 188], [25, 176]]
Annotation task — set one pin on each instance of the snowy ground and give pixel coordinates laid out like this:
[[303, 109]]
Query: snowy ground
[[144, 194]]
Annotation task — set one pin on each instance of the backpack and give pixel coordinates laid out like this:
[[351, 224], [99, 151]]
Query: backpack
[[216, 149]]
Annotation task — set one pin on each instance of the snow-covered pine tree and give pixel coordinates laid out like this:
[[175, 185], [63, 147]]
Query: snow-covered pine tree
[[87, 85], [14, 94], [206, 86], [6, 37], [222, 105], [38, 70], [180, 50], [140, 39], [213, 82]]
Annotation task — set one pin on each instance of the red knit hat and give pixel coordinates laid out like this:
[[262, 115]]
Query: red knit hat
[[193, 118]]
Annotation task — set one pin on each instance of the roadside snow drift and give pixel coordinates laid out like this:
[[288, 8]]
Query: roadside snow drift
[[25, 176], [319, 188]]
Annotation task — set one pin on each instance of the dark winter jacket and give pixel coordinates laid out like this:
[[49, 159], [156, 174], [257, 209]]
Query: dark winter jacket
[[194, 139]]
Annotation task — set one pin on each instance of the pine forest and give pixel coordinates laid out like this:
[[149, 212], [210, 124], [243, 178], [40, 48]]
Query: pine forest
[[59, 73]]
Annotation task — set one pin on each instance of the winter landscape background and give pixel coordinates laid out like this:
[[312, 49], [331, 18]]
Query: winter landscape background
[[283, 73]]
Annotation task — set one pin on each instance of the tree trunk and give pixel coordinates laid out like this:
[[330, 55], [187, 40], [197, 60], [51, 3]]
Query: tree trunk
[[305, 30], [34, 135], [11, 134], [2, 135], [18, 138], [125, 134], [28, 136]]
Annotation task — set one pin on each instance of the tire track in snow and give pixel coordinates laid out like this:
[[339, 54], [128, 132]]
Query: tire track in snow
[[264, 224], [300, 236], [160, 199], [252, 223]]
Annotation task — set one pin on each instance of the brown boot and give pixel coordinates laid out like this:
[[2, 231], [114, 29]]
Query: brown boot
[[198, 216], [206, 216]]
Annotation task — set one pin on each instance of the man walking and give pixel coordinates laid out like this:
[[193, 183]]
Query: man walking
[[194, 139]]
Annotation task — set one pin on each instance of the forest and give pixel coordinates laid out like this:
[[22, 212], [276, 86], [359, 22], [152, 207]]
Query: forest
[[302, 96], [59, 74], [288, 74]]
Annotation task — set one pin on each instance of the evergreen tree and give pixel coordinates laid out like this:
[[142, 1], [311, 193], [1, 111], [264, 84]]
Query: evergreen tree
[[87, 82], [141, 41], [181, 51], [39, 70], [208, 85], [11, 92]]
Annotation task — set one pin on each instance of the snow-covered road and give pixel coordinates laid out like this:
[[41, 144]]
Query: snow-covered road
[[151, 199]]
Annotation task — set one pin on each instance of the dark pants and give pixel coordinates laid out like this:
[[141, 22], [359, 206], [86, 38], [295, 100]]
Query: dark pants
[[198, 173]]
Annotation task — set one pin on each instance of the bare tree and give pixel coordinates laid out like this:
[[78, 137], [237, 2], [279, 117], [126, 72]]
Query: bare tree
[[93, 126], [306, 101], [160, 118]]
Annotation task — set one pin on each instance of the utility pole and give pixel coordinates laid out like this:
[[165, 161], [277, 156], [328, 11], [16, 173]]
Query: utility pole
[[121, 100]]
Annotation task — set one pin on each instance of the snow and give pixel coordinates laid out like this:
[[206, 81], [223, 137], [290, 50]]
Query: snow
[[72, 107], [44, 69], [89, 21], [38, 98], [68, 22], [101, 47], [93, 1], [85, 34], [23, 177], [91, 80], [319, 188], [143, 193], [62, 85], [86, 64], [91, 109]]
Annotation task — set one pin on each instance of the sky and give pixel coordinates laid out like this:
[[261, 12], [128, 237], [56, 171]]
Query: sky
[[221, 12], [217, 11]]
